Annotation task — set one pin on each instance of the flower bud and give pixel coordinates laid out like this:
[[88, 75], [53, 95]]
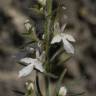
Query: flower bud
[[42, 2], [30, 85], [27, 25], [63, 91]]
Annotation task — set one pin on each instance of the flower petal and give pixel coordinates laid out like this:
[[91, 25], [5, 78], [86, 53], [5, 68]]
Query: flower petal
[[69, 37], [38, 65], [56, 27], [68, 46], [63, 28], [56, 39], [27, 60], [26, 70]]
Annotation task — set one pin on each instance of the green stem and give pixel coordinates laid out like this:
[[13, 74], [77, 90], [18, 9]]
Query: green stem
[[47, 42], [48, 23]]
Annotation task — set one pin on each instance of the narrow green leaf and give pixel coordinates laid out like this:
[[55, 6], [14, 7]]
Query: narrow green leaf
[[47, 83], [60, 81], [50, 75], [38, 91]]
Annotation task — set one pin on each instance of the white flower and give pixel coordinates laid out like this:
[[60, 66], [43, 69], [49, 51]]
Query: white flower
[[63, 91], [32, 63], [65, 38]]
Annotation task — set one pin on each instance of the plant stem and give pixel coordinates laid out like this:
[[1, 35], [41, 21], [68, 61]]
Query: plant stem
[[47, 39], [48, 23]]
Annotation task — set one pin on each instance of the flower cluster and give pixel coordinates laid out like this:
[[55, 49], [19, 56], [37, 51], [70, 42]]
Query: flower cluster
[[41, 51]]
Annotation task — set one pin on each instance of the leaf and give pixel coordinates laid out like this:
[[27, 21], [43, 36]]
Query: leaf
[[50, 75], [58, 85], [47, 84], [64, 57], [56, 54], [37, 90]]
